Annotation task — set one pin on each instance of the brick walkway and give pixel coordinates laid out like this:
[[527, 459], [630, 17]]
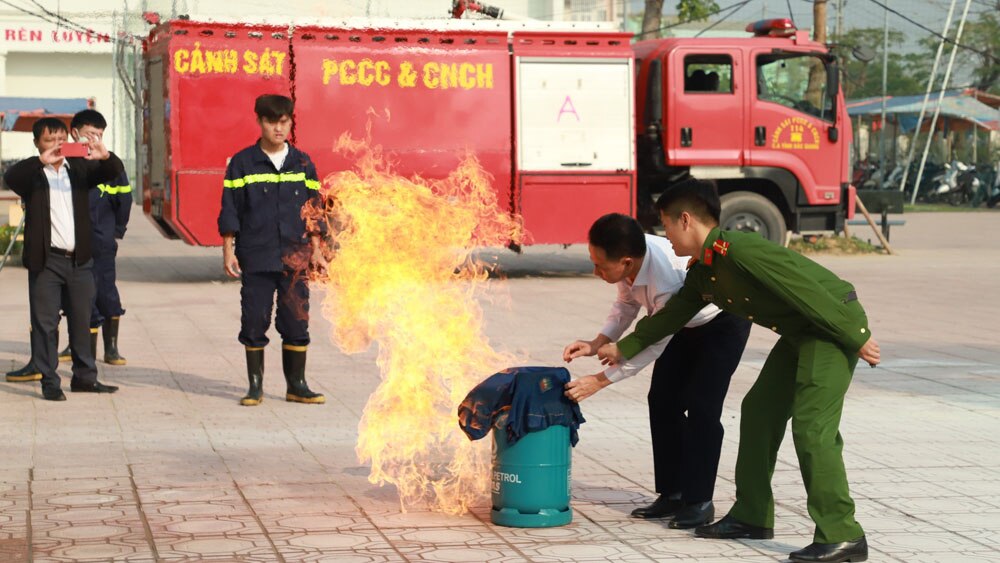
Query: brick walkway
[[172, 469]]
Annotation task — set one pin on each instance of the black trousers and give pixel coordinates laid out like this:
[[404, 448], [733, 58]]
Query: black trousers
[[689, 384], [257, 300], [107, 301], [62, 284]]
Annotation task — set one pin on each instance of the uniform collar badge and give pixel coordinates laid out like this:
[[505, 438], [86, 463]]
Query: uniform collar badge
[[708, 257], [721, 247]]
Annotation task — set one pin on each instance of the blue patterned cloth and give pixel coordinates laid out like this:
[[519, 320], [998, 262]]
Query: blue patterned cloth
[[520, 400]]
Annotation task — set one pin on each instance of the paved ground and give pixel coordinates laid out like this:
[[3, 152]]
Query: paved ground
[[171, 468]]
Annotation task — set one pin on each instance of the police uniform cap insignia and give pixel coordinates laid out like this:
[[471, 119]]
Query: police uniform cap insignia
[[720, 246], [708, 257]]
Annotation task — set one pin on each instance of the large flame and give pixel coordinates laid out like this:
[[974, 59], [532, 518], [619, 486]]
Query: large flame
[[403, 275]]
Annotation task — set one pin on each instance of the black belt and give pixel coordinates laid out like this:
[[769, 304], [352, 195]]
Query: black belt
[[62, 252], [852, 296]]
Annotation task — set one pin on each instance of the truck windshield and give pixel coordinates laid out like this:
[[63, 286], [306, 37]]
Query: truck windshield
[[797, 81]]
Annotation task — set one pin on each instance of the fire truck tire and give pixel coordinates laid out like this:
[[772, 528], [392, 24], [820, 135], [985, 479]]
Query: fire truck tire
[[750, 212]]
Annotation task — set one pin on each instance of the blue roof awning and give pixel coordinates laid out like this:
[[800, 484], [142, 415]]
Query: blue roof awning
[[956, 104], [16, 111]]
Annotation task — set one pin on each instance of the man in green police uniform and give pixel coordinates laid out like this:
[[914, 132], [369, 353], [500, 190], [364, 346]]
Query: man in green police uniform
[[823, 332]]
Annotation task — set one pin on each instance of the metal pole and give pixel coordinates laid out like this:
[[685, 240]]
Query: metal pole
[[937, 109], [923, 108], [975, 143], [840, 19], [885, 81]]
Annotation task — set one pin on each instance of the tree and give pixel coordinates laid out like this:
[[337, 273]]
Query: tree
[[983, 35], [817, 75], [687, 10]]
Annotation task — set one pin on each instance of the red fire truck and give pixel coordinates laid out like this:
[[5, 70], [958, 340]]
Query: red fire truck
[[571, 123]]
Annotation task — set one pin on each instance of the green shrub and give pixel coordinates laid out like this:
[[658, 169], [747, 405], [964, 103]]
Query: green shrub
[[6, 231]]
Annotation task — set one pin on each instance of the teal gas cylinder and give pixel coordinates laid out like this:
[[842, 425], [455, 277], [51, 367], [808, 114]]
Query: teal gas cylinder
[[531, 478]]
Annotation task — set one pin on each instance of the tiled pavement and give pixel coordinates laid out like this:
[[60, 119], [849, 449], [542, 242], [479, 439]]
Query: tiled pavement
[[172, 469]]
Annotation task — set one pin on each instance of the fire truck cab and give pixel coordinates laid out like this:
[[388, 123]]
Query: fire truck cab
[[763, 116]]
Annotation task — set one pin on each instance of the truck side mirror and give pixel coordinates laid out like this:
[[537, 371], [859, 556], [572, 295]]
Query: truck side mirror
[[833, 89], [863, 53], [833, 134]]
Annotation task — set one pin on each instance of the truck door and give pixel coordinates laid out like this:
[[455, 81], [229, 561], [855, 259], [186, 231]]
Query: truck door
[[574, 132], [705, 114], [791, 116]]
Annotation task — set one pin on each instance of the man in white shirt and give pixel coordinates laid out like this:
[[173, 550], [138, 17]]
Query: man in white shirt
[[58, 250], [691, 372]]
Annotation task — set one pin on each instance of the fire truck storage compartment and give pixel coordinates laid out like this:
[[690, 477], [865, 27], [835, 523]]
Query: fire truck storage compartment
[[574, 115], [574, 123], [559, 209]]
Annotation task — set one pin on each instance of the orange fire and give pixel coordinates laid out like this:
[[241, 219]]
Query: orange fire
[[403, 275]]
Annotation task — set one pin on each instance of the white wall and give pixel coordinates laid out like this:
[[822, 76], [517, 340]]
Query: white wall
[[43, 58], [67, 75]]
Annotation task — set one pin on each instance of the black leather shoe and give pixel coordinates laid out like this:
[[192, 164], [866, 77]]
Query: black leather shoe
[[90, 387], [693, 515], [662, 507], [731, 528], [856, 550], [53, 395]]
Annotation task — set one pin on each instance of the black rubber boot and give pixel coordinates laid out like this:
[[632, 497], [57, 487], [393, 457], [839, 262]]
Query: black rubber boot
[[110, 331], [255, 373], [293, 361], [28, 373]]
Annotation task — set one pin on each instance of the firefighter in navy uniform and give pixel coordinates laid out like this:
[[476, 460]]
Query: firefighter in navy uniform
[[268, 244], [110, 207]]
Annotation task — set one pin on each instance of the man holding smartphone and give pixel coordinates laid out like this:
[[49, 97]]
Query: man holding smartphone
[[110, 207], [57, 249]]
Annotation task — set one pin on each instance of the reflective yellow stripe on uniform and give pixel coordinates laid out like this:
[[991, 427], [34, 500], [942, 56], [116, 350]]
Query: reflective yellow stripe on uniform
[[270, 179], [114, 190]]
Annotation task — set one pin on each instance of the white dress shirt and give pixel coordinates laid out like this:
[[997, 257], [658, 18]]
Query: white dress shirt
[[661, 275], [61, 206]]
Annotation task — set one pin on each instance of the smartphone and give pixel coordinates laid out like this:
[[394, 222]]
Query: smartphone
[[74, 149]]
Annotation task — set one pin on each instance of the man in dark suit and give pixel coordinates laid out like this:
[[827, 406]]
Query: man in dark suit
[[57, 250]]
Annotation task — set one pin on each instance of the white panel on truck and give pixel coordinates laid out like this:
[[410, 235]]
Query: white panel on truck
[[574, 114]]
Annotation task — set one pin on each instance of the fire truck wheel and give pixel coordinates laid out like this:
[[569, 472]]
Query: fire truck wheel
[[750, 212]]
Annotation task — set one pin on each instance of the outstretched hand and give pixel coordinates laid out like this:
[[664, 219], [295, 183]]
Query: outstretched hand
[[578, 349], [579, 389], [609, 354]]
